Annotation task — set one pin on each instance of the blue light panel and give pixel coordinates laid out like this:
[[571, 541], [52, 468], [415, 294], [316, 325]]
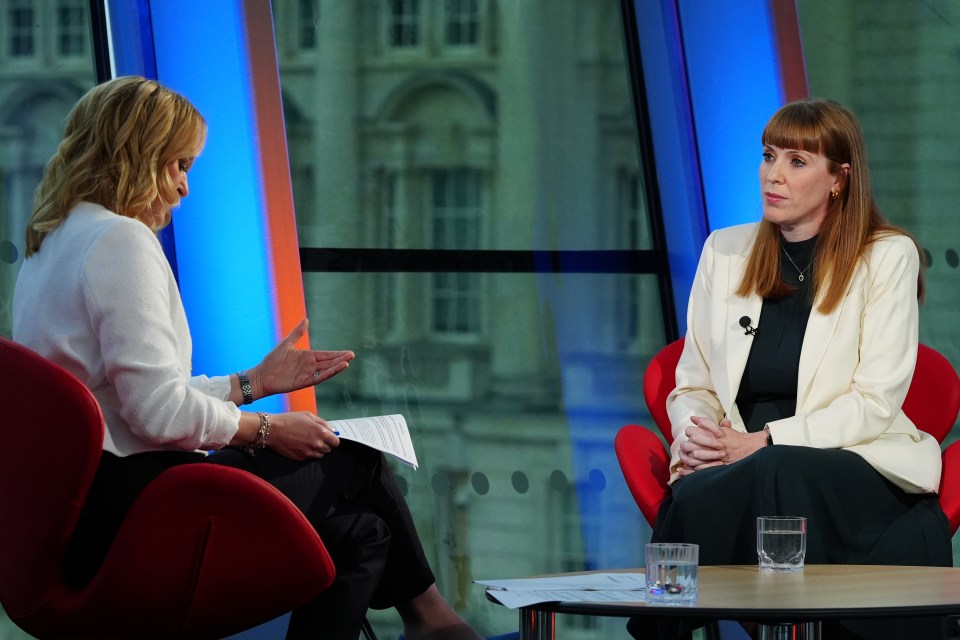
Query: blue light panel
[[735, 86], [222, 260]]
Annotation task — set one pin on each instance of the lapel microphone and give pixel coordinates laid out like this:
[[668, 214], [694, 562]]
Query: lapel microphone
[[745, 322]]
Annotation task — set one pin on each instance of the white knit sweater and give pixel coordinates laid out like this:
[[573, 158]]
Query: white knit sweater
[[100, 299]]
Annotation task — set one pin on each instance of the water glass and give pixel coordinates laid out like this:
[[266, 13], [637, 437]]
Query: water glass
[[672, 572], [781, 542]]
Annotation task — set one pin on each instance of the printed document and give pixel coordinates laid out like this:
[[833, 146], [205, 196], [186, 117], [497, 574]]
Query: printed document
[[388, 434], [587, 587]]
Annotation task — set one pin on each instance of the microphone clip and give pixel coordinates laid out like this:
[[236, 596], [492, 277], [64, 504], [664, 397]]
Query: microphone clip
[[748, 330]]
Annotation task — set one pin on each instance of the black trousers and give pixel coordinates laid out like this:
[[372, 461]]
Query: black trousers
[[350, 497]]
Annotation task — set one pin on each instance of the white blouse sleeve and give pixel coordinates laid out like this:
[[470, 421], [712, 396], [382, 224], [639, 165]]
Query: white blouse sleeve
[[216, 387], [132, 302]]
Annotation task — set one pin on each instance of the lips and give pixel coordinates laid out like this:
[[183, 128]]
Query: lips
[[773, 198]]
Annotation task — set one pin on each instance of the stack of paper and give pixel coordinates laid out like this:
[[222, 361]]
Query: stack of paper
[[586, 587]]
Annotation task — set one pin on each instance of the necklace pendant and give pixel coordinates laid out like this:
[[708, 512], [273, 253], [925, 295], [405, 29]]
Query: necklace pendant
[[801, 277]]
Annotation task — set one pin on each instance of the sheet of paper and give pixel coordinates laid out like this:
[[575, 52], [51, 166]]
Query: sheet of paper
[[587, 587], [582, 581], [517, 599], [384, 433]]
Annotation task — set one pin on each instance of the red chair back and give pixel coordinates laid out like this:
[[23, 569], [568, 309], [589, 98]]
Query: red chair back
[[933, 400], [51, 432], [206, 551], [658, 381]]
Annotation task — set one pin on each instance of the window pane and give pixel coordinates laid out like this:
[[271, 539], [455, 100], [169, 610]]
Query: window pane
[[21, 36], [463, 22], [72, 28], [514, 384], [549, 130], [404, 23], [307, 23], [34, 119], [895, 65], [513, 432], [457, 209]]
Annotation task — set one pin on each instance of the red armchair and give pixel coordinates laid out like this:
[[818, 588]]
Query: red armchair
[[205, 552], [932, 403]]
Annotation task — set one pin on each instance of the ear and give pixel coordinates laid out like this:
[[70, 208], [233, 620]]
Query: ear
[[842, 177]]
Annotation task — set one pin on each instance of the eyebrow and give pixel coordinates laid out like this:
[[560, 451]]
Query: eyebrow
[[788, 150]]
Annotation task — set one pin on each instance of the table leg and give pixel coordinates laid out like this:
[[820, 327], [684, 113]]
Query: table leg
[[790, 631], [536, 625]]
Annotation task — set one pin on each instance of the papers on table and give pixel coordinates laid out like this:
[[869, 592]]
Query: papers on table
[[587, 587]]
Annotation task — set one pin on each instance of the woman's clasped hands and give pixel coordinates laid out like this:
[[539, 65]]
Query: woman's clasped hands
[[709, 444]]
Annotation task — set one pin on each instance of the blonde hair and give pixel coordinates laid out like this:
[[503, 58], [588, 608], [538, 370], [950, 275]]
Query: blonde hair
[[853, 221], [117, 141]]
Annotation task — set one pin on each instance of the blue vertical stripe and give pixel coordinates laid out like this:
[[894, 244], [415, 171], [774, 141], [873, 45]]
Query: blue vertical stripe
[[199, 49], [735, 86]]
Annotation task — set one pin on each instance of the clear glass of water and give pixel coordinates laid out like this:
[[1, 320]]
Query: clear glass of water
[[672, 572], [781, 542]]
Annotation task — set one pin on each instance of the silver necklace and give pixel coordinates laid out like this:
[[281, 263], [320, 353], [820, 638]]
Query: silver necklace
[[799, 272]]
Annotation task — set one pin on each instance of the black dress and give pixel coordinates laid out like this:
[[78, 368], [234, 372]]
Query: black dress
[[854, 515]]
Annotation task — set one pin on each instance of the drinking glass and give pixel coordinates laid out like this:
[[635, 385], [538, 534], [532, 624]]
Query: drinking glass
[[781, 542], [672, 572]]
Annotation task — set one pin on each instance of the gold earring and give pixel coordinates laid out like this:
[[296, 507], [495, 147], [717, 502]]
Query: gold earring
[[834, 195]]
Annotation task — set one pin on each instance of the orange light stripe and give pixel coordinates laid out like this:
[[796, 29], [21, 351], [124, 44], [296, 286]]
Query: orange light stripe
[[793, 72], [280, 222]]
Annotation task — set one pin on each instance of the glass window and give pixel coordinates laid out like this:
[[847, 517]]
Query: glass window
[[403, 27], [36, 93], [21, 38], [462, 22], [307, 24], [471, 210], [895, 65], [456, 208], [72, 27]]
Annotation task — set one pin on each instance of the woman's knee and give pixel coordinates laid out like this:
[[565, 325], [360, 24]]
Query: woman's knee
[[356, 538]]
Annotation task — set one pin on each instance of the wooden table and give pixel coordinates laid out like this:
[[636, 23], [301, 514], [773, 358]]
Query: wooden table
[[784, 603]]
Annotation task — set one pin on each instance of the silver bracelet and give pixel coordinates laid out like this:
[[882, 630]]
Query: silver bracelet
[[260, 441], [245, 387]]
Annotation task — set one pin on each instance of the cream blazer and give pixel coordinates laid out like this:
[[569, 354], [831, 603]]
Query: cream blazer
[[856, 363]]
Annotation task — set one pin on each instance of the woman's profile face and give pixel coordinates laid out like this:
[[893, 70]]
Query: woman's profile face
[[160, 212], [795, 186]]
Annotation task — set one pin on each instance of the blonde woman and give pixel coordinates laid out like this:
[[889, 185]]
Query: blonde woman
[[96, 295]]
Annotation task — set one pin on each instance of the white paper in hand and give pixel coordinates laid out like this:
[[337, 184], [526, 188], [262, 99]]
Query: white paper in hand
[[388, 434]]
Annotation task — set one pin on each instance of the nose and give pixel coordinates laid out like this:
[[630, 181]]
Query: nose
[[774, 171], [183, 188]]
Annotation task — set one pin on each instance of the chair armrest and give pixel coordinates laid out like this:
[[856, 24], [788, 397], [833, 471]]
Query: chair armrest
[[190, 534], [645, 464], [949, 493]]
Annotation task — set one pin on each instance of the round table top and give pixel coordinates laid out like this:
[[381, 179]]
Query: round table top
[[818, 592]]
